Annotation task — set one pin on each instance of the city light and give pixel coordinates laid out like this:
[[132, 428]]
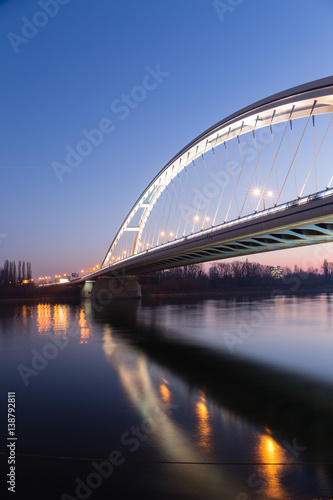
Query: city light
[[262, 193], [197, 218]]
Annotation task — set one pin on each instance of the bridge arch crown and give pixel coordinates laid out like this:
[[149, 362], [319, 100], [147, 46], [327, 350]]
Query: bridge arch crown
[[257, 159]]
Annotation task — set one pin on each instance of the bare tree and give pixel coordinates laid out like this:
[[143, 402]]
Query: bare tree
[[14, 273], [29, 273], [19, 277]]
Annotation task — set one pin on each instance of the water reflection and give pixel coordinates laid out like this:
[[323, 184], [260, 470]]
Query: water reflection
[[165, 393], [86, 331], [190, 402], [251, 400], [204, 429], [55, 319], [26, 312], [272, 455], [142, 382], [60, 318], [44, 319]]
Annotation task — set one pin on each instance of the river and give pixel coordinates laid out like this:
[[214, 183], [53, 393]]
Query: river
[[169, 399]]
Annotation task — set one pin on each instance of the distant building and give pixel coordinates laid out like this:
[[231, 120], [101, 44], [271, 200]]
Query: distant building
[[276, 272], [65, 278]]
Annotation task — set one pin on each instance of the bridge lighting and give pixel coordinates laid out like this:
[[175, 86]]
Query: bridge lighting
[[162, 233], [170, 234], [260, 192], [197, 218]]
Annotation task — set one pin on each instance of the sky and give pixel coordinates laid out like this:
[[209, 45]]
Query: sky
[[66, 65]]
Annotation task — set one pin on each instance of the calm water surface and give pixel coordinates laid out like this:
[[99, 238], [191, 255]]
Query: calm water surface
[[215, 399]]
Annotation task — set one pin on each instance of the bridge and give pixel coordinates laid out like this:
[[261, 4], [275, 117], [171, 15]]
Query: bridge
[[257, 181]]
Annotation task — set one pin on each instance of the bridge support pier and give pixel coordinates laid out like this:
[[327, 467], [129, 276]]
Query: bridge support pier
[[105, 289], [87, 288]]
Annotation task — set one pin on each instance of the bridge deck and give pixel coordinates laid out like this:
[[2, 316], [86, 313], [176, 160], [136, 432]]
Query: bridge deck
[[298, 223]]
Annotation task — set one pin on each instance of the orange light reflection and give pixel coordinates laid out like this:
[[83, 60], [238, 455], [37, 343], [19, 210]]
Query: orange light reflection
[[43, 318], [271, 453], [165, 393], [85, 332], [60, 318], [204, 425]]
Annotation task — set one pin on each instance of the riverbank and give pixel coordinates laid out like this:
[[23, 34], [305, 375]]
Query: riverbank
[[73, 294], [36, 294], [238, 293]]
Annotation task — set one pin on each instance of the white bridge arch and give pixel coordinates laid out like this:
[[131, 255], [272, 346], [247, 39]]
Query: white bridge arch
[[274, 116]]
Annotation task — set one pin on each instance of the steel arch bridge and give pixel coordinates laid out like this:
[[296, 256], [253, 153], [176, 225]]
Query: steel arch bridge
[[259, 180]]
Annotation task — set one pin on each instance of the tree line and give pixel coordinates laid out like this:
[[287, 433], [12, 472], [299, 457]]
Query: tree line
[[237, 275], [11, 275]]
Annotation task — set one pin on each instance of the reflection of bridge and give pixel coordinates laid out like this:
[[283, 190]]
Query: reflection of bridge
[[259, 180], [278, 403]]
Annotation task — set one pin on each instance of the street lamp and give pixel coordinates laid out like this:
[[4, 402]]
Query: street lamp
[[262, 193], [197, 218]]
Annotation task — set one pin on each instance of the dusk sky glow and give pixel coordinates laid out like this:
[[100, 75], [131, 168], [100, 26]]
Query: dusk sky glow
[[72, 77]]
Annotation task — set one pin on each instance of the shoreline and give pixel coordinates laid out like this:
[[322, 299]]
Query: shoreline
[[197, 294]]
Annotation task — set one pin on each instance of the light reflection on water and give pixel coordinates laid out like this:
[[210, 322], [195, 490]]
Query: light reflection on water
[[272, 455], [204, 427], [141, 381], [165, 368], [54, 319]]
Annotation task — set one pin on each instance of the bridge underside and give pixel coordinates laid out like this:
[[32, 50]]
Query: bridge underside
[[303, 223]]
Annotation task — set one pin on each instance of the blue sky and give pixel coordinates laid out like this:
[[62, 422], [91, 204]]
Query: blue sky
[[83, 58]]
